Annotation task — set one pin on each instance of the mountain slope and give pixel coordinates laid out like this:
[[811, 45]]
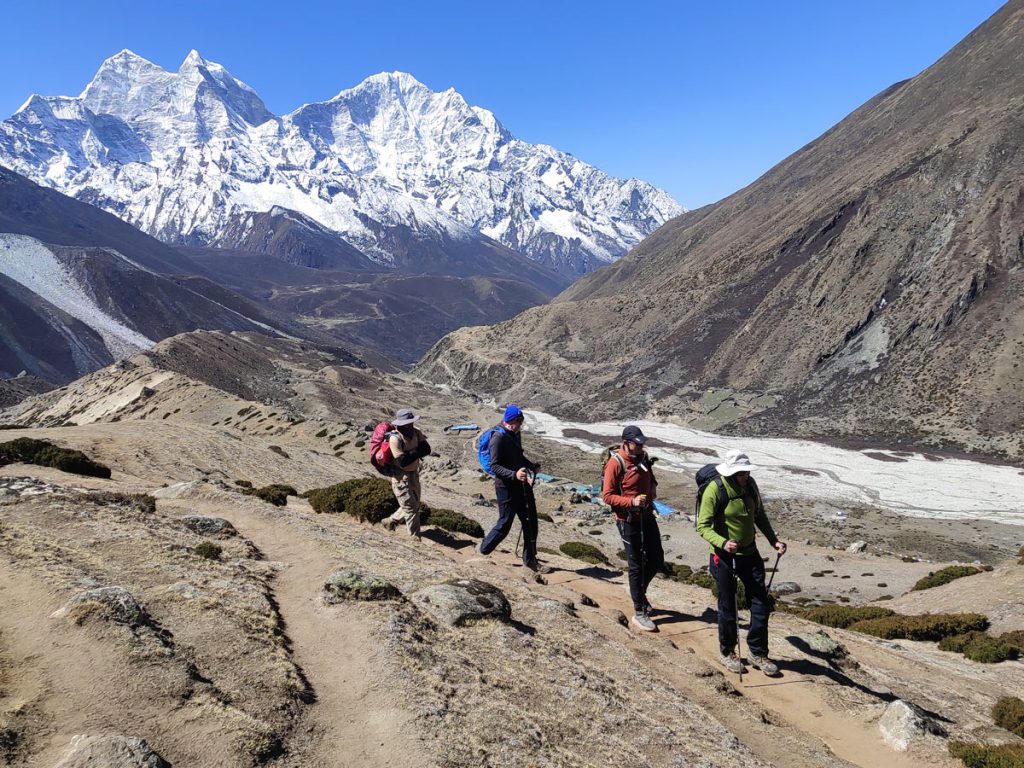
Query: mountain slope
[[184, 154], [872, 280]]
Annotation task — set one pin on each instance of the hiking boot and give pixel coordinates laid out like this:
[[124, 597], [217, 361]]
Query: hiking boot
[[732, 663], [643, 621], [765, 664], [534, 565]]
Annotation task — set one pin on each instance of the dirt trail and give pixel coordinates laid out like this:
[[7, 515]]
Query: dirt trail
[[354, 721], [804, 700]]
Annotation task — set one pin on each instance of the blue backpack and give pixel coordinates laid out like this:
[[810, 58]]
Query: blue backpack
[[483, 449]]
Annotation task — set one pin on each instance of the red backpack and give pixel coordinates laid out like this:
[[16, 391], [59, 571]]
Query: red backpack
[[380, 448]]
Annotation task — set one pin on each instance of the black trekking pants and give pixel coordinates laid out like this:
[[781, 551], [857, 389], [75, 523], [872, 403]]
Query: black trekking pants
[[750, 569], [642, 541], [514, 500]]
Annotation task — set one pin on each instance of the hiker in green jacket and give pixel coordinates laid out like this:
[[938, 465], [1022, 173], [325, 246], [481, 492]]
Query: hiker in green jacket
[[730, 535]]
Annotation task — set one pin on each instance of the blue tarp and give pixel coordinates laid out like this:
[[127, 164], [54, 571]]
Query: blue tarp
[[663, 509], [462, 428]]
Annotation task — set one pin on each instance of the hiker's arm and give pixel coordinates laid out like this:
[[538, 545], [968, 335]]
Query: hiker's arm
[[423, 449], [706, 518], [499, 471], [762, 522], [612, 477]]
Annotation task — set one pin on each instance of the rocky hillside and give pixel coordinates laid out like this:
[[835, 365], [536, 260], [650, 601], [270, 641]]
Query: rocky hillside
[[871, 282], [188, 618]]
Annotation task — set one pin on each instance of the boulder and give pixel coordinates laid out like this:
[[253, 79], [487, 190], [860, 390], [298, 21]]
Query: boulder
[[786, 588], [110, 752], [902, 722], [209, 526], [463, 601], [820, 644], [857, 546], [117, 604], [342, 586]]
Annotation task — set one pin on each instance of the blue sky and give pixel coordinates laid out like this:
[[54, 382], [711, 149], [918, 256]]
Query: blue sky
[[698, 98]]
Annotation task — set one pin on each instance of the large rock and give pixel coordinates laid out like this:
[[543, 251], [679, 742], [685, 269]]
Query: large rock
[[903, 722], [351, 585], [820, 644], [209, 526], [463, 601], [857, 546], [786, 588], [110, 752], [117, 604]]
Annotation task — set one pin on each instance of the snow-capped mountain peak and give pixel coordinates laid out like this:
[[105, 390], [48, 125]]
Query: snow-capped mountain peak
[[179, 154]]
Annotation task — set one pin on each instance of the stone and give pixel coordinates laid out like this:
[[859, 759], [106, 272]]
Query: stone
[[857, 546], [903, 722], [342, 586], [463, 601], [118, 604], [209, 526], [786, 588], [820, 643], [110, 752]]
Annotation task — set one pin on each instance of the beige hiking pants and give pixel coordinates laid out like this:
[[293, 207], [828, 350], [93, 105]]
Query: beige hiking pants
[[406, 488]]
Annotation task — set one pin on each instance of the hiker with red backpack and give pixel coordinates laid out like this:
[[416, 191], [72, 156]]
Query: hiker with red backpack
[[729, 508], [399, 457], [629, 488], [501, 456]]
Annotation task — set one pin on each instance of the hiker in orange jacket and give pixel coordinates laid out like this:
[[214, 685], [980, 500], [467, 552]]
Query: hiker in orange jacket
[[629, 488]]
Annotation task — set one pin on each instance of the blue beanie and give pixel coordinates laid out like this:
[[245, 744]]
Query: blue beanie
[[512, 413]]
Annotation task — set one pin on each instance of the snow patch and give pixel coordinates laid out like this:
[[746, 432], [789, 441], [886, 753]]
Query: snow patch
[[27, 261]]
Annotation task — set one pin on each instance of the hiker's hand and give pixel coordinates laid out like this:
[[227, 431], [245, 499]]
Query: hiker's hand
[[780, 547], [521, 474], [406, 458], [731, 547], [640, 501]]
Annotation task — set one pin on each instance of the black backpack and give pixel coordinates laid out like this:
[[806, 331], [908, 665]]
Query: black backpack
[[707, 475]]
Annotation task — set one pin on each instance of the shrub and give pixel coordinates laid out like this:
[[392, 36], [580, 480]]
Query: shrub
[[980, 647], [322, 432], [141, 502], [275, 494], [987, 755], [45, 454], [1014, 638], [926, 627], [842, 616], [703, 579], [1008, 713], [944, 576], [450, 520], [365, 498], [545, 517], [595, 531], [588, 553], [208, 549], [243, 483], [677, 572]]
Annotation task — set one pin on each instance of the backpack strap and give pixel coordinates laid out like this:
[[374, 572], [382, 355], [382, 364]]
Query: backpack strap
[[622, 466]]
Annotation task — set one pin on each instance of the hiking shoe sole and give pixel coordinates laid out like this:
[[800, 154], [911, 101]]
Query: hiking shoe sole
[[767, 666]]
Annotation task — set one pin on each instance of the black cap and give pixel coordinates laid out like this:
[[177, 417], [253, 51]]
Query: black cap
[[634, 435]]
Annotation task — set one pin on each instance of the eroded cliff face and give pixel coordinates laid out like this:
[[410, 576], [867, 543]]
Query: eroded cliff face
[[872, 280]]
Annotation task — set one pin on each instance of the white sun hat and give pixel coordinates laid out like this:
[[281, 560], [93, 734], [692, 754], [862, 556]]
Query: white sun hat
[[735, 461]]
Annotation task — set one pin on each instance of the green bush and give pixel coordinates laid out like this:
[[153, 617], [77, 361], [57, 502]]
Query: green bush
[[987, 755], [677, 572], [588, 553], [208, 549], [703, 579], [450, 520], [842, 616], [275, 494], [980, 647], [1008, 713], [243, 483], [944, 576], [141, 502], [322, 432], [926, 627], [1014, 638], [365, 498], [45, 454]]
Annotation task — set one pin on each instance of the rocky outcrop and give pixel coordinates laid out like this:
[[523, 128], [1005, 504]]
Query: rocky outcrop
[[904, 722], [463, 601], [111, 752]]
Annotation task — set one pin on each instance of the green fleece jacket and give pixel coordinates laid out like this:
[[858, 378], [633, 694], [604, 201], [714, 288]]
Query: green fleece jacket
[[737, 522]]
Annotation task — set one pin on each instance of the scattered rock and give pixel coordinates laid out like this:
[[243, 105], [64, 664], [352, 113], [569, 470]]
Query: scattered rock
[[116, 603], [819, 643], [110, 752], [786, 588], [350, 585], [857, 546], [588, 601], [209, 526], [463, 601], [556, 606], [903, 722], [620, 617]]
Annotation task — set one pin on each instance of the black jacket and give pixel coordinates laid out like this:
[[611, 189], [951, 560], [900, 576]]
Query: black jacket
[[507, 456]]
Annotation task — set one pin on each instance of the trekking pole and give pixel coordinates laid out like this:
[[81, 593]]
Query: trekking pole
[[778, 556], [526, 483], [736, 612]]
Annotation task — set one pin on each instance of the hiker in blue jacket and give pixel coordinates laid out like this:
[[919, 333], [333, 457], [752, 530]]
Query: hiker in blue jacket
[[513, 487]]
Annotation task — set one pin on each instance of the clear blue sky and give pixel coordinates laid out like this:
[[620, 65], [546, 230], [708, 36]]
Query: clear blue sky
[[698, 98]]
